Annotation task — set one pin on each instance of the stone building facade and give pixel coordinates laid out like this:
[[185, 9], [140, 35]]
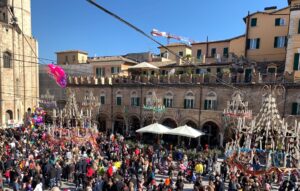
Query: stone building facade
[[190, 101], [19, 89]]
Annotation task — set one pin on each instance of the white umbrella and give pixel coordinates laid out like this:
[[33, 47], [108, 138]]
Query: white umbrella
[[186, 131], [144, 65], [154, 128]]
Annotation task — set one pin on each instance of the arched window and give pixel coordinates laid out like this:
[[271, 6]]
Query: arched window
[[119, 98], [189, 100], [135, 100], [9, 115], [296, 107], [7, 62], [210, 102], [168, 100], [102, 97]]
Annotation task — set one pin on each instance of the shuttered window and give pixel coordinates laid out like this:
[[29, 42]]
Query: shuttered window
[[295, 109], [296, 61], [253, 22]]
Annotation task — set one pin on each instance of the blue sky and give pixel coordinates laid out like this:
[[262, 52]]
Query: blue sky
[[76, 24]]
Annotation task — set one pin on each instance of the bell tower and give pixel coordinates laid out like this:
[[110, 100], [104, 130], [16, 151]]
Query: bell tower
[[17, 12]]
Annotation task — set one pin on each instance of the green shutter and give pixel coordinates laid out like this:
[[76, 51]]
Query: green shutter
[[165, 102], [112, 70], [119, 101], [192, 104], [171, 103], [205, 104], [248, 44], [199, 52], [253, 22], [285, 41], [102, 99], [275, 42], [257, 43], [137, 101], [299, 27], [277, 22], [184, 104], [296, 61], [294, 108], [215, 104], [225, 52]]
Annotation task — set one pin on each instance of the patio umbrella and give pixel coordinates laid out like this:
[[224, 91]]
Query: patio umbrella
[[186, 131], [144, 65], [154, 128]]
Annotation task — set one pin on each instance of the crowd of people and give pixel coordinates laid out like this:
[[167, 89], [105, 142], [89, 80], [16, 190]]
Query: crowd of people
[[30, 162]]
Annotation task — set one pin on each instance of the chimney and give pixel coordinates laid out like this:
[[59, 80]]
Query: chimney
[[270, 9]]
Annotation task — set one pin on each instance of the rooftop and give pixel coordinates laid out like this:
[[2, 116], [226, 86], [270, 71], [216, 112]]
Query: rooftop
[[175, 45], [219, 41], [269, 12], [72, 51], [110, 59]]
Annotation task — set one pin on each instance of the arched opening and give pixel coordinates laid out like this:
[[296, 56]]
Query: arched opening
[[8, 115], [190, 143], [134, 124], [170, 139], [119, 125], [102, 120], [211, 136]]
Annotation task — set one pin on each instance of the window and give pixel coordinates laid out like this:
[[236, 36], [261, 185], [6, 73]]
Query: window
[[67, 59], [210, 102], [135, 100], [279, 22], [168, 100], [280, 42], [253, 22], [198, 71], [253, 43], [299, 26], [189, 101], [271, 70], [296, 61], [225, 52], [100, 72], [115, 70], [213, 52], [296, 107], [102, 99], [73, 58], [180, 53], [119, 98], [199, 53], [7, 60]]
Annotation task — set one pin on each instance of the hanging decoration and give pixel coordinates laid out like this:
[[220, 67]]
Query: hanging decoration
[[58, 75]]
